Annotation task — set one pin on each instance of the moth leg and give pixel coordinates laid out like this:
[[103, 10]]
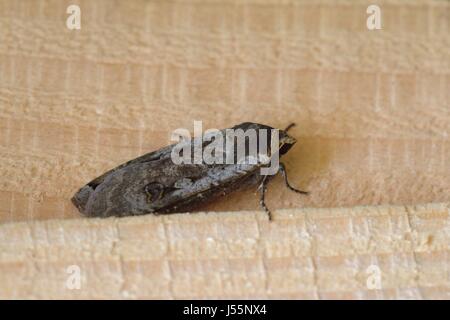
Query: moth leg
[[263, 187], [282, 169]]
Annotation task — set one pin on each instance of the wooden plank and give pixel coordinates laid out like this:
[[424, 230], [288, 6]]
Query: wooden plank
[[372, 107], [307, 253], [373, 116]]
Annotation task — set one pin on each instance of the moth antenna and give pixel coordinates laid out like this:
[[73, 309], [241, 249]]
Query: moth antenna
[[290, 126]]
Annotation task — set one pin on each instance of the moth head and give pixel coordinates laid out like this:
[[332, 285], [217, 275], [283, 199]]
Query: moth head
[[286, 142]]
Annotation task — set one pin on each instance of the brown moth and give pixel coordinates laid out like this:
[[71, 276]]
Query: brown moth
[[155, 183]]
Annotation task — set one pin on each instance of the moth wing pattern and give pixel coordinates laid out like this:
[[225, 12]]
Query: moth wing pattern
[[153, 183]]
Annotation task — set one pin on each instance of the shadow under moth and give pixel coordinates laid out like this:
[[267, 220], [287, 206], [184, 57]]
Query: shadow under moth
[[180, 178]]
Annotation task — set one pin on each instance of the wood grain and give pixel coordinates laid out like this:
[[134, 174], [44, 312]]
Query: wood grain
[[373, 116], [302, 254], [372, 107]]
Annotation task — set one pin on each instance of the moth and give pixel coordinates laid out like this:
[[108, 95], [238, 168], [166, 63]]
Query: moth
[[155, 183]]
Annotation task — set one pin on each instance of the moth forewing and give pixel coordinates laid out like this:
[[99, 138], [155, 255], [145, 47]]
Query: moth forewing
[[184, 175]]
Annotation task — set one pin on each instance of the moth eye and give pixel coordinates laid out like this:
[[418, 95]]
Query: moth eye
[[284, 148], [154, 191]]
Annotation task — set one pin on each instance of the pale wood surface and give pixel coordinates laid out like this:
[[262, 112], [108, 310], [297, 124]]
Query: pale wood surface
[[308, 253], [373, 115]]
